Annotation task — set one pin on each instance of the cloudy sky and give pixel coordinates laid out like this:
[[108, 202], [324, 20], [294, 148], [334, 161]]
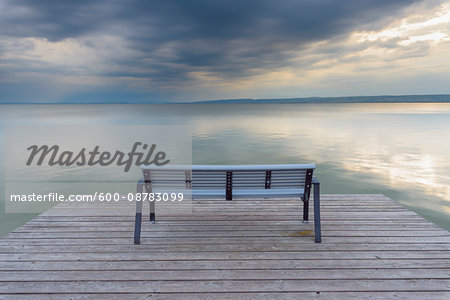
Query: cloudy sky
[[180, 51]]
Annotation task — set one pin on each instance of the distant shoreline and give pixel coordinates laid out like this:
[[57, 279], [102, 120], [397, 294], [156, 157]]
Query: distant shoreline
[[436, 98], [433, 98]]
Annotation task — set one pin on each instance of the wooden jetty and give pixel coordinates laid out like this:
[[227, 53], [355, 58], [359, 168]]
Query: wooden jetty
[[372, 248]]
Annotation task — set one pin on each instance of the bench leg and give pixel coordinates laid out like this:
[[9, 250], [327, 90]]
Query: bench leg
[[138, 220], [305, 210], [152, 212], [148, 189], [317, 229]]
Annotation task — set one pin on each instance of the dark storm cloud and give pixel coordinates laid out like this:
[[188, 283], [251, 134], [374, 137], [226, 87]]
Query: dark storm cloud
[[171, 38]]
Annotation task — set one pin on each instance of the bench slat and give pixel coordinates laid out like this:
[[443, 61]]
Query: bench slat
[[273, 167]]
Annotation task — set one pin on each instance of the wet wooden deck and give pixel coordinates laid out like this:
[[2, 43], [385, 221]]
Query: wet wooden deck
[[245, 249]]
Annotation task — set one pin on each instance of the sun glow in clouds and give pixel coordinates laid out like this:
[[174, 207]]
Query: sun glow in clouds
[[411, 29]]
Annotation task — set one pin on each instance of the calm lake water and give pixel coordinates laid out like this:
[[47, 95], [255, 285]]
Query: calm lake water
[[399, 150]]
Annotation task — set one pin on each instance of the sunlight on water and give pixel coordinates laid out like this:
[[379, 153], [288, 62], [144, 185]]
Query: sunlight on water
[[419, 171], [400, 150]]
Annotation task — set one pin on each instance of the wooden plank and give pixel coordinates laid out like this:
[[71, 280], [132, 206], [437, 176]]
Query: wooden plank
[[254, 247], [161, 222], [219, 223], [304, 255], [415, 295], [194, 275], [228, 264], [218, 217], [220, 241], [226, 234], [249, 228], [236, 286]]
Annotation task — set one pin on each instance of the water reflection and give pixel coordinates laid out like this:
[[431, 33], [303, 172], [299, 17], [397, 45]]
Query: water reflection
[[402, 150], [415, 171]]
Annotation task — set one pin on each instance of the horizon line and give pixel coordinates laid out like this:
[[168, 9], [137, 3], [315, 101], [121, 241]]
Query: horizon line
[[407, 98]]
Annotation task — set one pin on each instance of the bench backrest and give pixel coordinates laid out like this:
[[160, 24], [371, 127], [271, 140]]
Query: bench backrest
[[226, 180]]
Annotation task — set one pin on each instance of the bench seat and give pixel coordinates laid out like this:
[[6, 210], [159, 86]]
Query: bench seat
[[237, 193], [249, 193]]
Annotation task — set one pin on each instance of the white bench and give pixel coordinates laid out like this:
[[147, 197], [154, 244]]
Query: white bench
[[232, 182]]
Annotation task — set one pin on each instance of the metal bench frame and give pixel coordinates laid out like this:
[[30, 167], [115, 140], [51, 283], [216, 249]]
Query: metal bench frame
[[235, 176]]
